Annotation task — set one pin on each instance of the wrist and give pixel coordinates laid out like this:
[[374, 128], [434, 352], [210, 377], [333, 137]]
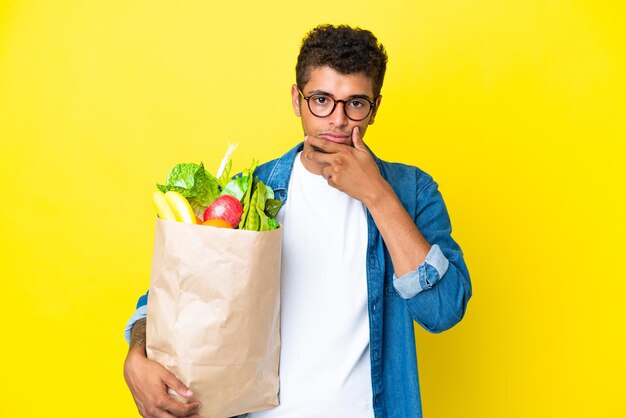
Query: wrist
[[379, 196], [137, 349], [135, 357]]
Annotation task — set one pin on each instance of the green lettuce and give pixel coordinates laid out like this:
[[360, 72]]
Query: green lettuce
[[194, 182], [237, 187]]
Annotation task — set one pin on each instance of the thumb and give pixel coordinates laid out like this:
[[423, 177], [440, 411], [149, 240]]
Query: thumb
[[172, 382], [357, 141]]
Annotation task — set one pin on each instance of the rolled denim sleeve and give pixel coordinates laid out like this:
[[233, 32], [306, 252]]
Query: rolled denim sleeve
[[425, 276], [137, 315], [140, 312], [444, 303]]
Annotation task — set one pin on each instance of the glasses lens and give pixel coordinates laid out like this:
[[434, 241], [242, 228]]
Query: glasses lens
[[357, 109], [321, 105]]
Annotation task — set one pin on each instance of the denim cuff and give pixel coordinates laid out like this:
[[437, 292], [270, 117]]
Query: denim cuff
[[141, 312], [425, 276]]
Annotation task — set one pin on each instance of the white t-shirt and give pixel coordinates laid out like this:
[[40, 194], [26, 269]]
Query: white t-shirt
[[325, 355]]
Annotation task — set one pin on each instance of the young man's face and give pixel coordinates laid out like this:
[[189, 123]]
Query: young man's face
[[336, 127]]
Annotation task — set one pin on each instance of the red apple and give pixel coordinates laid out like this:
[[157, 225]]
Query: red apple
[[227, 208]]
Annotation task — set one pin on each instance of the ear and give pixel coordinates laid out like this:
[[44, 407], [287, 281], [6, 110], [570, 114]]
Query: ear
[[373, 116], [295, 100]]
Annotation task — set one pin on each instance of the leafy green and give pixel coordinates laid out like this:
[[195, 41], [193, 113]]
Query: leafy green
[[245, 200], [195, 183], [272, 206], [259, 211], [252, 219], [237, 187], [259, 204]]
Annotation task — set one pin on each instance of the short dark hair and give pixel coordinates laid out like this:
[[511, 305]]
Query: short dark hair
[[345, 49]]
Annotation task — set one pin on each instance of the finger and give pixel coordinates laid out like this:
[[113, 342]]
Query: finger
[[319, 157], [327, 173], [357, 141], [177, 386], [324, 144], [179, 409], [155, 411], [163, 414]]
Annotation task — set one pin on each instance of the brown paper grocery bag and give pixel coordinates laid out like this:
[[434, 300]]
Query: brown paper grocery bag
[[213, 314]]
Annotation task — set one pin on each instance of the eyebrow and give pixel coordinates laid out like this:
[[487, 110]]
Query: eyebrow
[[325, 93]]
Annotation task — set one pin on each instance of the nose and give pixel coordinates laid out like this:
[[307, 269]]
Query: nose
[[339, 117]]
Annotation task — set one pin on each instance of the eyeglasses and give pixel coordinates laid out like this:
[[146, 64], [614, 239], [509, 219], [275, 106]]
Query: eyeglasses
[[323, 105]]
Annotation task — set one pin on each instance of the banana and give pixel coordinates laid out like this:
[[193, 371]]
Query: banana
[[181, 207], [162, 207]]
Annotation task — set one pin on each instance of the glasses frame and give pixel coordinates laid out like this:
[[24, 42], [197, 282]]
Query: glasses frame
[[335, 101]]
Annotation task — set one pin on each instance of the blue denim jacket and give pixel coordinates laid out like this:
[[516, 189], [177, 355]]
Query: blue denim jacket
[[435, 295]]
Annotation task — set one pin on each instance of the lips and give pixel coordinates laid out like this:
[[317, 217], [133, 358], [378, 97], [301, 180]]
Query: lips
[[335, 137]]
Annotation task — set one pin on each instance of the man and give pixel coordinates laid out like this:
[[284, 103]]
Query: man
[[366, 251]]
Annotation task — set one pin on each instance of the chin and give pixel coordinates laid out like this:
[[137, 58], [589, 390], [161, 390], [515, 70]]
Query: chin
[[318, 149]]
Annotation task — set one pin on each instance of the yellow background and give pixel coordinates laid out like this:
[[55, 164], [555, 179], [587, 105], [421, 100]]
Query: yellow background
[[517, 108]]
